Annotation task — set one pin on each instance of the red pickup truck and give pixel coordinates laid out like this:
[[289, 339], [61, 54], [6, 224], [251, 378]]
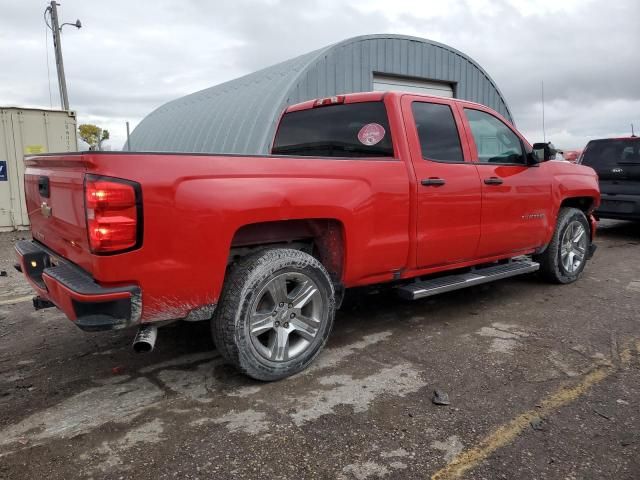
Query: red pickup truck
[[428, 194]]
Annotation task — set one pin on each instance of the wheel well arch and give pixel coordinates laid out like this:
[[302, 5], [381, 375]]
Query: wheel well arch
[[586, 204], [323, 238], [581, 203]]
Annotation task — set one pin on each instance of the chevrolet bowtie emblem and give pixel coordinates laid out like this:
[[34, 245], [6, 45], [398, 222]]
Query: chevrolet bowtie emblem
[[45, 209]]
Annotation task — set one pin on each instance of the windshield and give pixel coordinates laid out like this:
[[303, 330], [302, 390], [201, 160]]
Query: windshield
[[613, 157], [346, 130]]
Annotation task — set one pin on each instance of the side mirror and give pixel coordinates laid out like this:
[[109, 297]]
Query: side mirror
[[545, 151]]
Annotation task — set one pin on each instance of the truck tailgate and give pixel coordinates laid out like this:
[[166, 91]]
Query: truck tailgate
[[54, 189]]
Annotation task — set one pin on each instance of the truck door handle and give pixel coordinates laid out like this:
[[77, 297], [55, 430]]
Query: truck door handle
[[493, 181], [432, 181]]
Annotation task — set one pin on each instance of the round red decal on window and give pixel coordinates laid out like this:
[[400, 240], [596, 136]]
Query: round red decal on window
[[371, 134]]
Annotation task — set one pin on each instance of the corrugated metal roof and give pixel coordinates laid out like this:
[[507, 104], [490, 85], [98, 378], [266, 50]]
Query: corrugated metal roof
[[240, 116]]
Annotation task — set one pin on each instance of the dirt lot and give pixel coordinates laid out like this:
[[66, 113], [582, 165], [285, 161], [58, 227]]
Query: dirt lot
[[543, 381]]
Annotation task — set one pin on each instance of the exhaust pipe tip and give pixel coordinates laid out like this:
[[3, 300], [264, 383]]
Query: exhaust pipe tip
[[145, 339], [142, 347]]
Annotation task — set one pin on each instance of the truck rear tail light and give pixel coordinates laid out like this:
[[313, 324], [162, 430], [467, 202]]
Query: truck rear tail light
[[114, 214], [323, 102]]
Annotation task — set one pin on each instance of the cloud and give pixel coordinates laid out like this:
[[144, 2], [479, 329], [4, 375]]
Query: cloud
[[131, 57]]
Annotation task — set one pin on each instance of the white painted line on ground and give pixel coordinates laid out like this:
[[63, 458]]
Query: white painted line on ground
[[12, 301], [634, 286]]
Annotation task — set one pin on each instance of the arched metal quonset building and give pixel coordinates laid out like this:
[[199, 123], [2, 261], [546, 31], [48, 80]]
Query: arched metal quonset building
[[240, 116]]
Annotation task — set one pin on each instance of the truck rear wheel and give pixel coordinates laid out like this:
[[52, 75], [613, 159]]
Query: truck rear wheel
[[566, 255], [275, 313]]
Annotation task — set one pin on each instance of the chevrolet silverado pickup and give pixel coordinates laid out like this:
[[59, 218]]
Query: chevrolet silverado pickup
[[427, 194]]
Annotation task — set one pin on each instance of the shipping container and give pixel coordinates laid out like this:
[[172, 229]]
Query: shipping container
[[28, 131]]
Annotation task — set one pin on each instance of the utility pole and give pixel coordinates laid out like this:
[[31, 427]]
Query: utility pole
[[56, 28]]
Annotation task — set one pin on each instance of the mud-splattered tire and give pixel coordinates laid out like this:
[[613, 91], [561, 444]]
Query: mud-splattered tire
[[566, 255], [275, 313]]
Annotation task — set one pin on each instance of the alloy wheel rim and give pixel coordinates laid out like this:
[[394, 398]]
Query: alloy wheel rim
[[286, 316], [573, 246]]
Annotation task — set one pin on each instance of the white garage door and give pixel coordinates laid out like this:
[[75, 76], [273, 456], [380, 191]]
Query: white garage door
[[383, 83]]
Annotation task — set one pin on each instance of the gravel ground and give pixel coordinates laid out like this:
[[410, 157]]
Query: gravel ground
[[543, 382]]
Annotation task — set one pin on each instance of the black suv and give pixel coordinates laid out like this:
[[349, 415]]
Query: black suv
[[617, 163]]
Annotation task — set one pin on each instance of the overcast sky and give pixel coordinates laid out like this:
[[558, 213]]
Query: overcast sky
[[132, 56]]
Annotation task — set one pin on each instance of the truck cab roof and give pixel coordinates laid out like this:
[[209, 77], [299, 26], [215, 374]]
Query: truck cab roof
[[368, 97]]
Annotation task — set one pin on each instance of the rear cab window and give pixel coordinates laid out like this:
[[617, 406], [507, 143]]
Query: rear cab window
[[611, 158], [359, 130], [437, 132]]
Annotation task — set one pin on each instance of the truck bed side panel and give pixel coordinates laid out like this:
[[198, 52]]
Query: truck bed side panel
[[194, 204]]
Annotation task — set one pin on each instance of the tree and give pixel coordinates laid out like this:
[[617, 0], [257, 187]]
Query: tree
[[93, 135]]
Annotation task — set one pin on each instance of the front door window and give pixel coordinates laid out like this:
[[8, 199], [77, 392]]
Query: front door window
[[495, 142]]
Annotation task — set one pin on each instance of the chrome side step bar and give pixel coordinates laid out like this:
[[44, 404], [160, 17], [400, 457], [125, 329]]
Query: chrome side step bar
[[426, 288]]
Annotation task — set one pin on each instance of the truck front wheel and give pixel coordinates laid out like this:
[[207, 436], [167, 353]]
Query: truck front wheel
[[275, 313], [566, 255]]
